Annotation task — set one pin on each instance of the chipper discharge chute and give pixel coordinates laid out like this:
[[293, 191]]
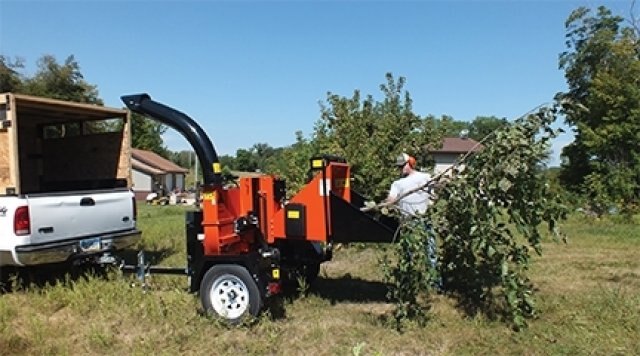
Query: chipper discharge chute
[[248, 237]]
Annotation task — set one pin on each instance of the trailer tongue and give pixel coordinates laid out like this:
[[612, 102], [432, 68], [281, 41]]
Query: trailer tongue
[[247, 238]]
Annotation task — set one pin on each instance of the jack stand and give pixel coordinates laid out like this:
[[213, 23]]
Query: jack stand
[[141, 270]]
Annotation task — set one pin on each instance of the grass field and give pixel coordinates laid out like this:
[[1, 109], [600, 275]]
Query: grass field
[[588, 297]]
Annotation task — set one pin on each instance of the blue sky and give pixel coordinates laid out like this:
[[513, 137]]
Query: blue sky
[[254, 72]]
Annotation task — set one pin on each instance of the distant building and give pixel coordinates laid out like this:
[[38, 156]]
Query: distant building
[[155, 174], [451, 150]]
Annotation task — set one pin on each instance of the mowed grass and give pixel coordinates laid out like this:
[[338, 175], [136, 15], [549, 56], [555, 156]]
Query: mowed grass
[[588, 298]]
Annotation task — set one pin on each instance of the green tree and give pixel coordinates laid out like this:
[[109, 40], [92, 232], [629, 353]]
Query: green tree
[[227, 161], [263, 152], [182, 158], [245, 161], [10, 77], [482, 126], [602, 68], [292, 162], [146, 134], [61, 81], [448, 126], [255, 158]]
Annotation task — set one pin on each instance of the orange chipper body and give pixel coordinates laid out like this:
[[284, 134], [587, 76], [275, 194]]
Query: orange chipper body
[[306, 216]]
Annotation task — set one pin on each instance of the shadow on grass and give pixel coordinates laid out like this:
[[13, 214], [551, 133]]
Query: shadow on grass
[[336, 290], [21, 278], [473, 302], [37, 277], [349, 289]]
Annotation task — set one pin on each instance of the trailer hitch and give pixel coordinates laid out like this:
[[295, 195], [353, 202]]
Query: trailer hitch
[[143, 269]]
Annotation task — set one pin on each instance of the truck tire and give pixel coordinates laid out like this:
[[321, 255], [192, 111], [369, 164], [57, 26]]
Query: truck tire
[[230, 293]]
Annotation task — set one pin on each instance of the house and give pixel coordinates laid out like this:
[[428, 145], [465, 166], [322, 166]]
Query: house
[[452, 149], [155, 174]]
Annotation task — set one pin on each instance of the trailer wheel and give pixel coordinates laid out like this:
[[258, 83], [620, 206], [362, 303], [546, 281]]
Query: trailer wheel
[[229, 292]]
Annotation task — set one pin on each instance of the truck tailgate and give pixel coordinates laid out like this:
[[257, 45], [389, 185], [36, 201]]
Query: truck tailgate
[[63, 216]]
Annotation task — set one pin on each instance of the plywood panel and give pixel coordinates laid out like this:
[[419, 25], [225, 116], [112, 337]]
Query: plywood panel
[[124, 163], [82, 157], [8, 164], [30, 154], [81, 163], [5, 156]]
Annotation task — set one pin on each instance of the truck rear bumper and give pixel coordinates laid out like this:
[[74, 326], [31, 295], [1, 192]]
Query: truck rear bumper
[[60, 251]]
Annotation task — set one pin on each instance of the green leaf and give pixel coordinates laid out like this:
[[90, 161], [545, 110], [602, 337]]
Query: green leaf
[[504, 269], [490, 251], [505, 184]]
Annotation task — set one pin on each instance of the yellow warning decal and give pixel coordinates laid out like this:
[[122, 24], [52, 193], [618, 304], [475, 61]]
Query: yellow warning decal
[[217, 168], [210, 196], [275, 273], [316, 163], [292, 214]]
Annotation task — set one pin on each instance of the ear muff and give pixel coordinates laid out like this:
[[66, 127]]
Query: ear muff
[[412, 161]]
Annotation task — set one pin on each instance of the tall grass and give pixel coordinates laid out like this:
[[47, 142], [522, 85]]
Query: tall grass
[[589, 301]]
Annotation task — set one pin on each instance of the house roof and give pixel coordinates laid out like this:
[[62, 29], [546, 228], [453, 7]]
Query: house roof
[[458, 145], [145, 168], [151, 162]]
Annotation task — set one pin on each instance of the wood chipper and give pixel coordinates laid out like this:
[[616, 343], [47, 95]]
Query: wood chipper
[[249, 237]]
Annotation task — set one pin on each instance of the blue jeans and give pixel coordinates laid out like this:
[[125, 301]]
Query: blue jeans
[[432, 249], [432, 253]]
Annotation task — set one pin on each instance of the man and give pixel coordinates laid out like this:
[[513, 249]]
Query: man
[[416, 202], [411, 195]]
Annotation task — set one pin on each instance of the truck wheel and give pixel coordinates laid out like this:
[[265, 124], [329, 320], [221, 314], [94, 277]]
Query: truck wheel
[[229, 292]]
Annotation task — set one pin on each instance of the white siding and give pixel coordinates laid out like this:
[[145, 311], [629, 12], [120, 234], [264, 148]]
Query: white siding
[[141, 182], [444, 161]]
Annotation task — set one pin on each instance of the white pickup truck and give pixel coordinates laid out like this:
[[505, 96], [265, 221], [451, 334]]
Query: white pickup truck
[[65, 181]]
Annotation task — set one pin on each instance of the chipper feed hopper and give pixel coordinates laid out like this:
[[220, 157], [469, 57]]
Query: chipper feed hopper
[[249, 237]]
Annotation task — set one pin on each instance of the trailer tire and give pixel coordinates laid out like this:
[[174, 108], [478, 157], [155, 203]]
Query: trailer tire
[[230, 293]]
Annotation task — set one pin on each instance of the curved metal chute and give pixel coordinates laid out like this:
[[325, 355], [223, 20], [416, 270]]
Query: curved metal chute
[[195, 135]]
